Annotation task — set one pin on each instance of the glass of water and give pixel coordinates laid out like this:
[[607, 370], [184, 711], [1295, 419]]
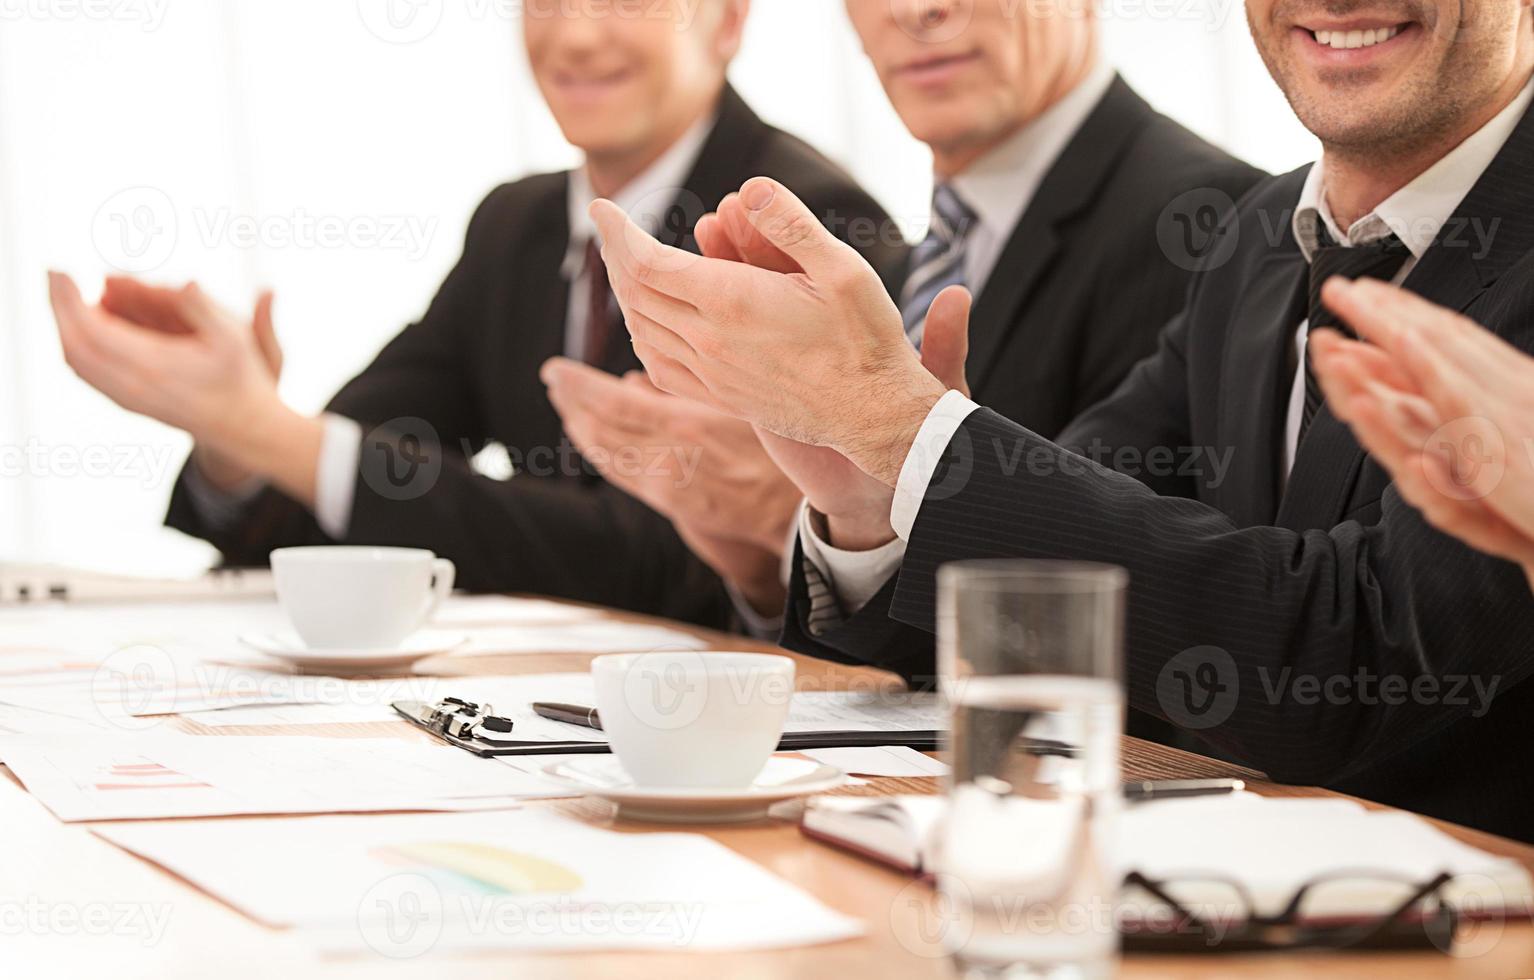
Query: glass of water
[[1030, 660]]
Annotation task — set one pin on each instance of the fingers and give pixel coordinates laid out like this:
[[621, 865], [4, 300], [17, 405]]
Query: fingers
[[581, 390], [1409, 328], [714, 241], [143, 304], [670, 375], [99, 346], [753, 247], [784, 222], [633, 254], [945, 340], [265, 330]]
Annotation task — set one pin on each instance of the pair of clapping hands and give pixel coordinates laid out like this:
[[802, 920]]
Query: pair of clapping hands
[[783, 346]]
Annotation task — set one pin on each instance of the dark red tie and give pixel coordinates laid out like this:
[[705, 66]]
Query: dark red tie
[[601, 324]]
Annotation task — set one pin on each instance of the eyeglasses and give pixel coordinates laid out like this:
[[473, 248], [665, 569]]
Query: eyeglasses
[[1321, 914]]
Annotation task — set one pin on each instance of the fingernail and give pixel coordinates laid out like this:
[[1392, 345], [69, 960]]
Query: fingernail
[[757, 194]]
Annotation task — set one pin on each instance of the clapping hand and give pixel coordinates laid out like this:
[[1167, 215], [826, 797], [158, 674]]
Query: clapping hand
[[1443, 404]]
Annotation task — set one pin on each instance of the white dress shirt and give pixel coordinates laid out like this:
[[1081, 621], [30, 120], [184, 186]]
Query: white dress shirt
[[645, 198], [1415, 214]]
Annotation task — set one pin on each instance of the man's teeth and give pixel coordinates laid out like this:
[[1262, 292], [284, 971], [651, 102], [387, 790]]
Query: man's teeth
[[1342, 40]]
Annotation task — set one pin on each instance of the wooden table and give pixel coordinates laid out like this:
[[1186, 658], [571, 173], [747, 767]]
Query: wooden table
[[66, 874]]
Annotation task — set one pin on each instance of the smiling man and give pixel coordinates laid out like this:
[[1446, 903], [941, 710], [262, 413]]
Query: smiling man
[[641, 90], [1304, 561]]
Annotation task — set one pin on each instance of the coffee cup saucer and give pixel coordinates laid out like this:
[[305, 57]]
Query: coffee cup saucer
[[286, 646], [602, 776]]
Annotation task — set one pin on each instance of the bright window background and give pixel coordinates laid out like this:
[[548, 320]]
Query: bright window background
[[166, 132]]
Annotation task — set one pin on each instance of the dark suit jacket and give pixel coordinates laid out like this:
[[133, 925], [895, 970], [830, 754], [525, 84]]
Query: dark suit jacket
[[467, 374], [1083, 285], [1402, 629]]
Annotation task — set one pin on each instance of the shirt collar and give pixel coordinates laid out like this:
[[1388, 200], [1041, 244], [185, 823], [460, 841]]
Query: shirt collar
[[999, 185], [639, 198], [1417, 212]]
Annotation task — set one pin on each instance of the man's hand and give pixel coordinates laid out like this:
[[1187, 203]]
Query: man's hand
[[856, 506], [818, 356], [161, 308], [176, 356], [703, 470], [1443, 404]]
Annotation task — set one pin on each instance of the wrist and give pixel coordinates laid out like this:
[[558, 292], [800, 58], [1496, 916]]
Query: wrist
[[277, 444], [881, 440], [865, 530]]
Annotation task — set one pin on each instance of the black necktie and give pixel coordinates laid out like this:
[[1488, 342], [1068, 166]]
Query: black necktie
[[1373, 260]]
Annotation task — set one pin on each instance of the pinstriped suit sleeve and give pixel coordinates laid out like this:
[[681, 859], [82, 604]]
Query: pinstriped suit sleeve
[[1393, 599]]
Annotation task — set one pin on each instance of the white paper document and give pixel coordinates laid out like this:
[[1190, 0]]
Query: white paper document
[[600, 636], [85, 778], [399, 886], [880, 760]]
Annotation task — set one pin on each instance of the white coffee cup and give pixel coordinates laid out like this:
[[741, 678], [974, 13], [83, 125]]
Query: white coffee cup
[[688, 719], [350, 598]]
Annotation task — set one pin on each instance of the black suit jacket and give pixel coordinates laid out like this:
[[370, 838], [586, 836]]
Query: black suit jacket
[[467, 374], [1402, 630], [1083, 284]]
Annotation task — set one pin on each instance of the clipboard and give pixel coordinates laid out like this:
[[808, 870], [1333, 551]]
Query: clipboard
[[478, 730]]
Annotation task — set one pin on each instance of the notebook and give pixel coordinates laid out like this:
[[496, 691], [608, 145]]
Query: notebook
[[1270, 846]]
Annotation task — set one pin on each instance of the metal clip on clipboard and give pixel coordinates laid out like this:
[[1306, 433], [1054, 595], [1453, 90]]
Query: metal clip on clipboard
[[478, 729]]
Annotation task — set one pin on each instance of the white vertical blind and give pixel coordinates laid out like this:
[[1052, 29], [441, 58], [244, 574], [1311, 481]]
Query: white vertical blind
[[335, 154]]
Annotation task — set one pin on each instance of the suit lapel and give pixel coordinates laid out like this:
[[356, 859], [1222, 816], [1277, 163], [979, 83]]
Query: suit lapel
[[1256, 377], [1491, 229], [1070, 185]]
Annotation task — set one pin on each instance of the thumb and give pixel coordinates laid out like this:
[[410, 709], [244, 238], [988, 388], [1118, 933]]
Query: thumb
[[784, 221], [266, 333], [945, 341]]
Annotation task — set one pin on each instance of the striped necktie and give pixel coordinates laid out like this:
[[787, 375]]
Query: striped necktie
[[938, 261]]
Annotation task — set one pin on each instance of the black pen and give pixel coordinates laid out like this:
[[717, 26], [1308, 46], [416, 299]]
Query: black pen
[[570, 714], [1144, 791]]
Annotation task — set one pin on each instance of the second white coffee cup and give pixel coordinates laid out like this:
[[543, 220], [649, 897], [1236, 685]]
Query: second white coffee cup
[[693, 720], [357, 598]]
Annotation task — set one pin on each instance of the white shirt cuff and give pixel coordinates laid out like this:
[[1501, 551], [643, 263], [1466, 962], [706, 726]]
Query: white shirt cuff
[[336, 476], [855, 577], [921, 462]]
